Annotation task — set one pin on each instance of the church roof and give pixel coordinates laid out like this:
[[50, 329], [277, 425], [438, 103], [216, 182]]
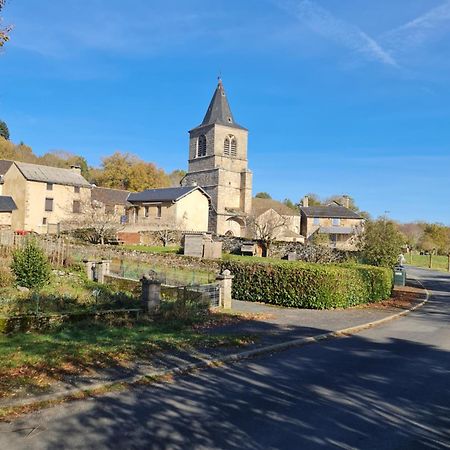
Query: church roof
[[219, 112]]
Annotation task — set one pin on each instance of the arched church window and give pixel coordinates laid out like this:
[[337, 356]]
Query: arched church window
[[233, 146], [230, 146], [226, 146], [201, 146]]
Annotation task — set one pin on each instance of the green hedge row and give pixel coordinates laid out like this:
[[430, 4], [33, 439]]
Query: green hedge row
[[307, 285]]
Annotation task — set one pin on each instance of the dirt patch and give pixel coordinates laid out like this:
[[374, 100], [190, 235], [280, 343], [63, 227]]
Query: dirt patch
[[220, 319], [404, 297]]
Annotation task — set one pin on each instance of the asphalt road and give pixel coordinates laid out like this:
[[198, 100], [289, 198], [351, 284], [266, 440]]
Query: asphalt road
[[385, 388]]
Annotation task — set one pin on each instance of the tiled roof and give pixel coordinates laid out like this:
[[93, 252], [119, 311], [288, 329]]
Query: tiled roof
[[330, 211], [163, 195], [261, 205], [47, 174], [336, 230], [7, 204], [4, 166], [219, 112], [109, 196]]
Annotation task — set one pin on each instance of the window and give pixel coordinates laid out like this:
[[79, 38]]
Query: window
[[230, 146], [49, 204], [44, 221], [76, 189], [49, 186], [76, 207], [158, 211], [233, 147], [226, 147], [201, 146], [316, 221], [335, 222]]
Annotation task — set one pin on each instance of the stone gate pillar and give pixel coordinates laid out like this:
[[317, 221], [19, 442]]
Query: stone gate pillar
[[151, 293], [225, 280]]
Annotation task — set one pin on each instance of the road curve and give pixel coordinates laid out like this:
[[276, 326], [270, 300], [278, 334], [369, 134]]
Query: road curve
[[385, 388]]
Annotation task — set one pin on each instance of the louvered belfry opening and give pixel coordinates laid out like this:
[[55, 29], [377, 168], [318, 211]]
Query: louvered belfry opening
[[201, 146], [230, 146]]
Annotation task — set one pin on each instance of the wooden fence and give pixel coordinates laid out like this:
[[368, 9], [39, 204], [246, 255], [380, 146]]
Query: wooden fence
[[56, 248]]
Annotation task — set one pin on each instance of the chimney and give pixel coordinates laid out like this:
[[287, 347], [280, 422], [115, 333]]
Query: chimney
[[76, 169], [346, 201], [305, 202]]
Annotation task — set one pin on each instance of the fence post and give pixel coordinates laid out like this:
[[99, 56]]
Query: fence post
[[89, 265], [151, 293], [103, 268], [225, 280]]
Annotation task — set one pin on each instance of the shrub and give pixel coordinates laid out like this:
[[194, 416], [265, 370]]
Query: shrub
[[6, 277], [381, 243], [307, 285], [31, 267]]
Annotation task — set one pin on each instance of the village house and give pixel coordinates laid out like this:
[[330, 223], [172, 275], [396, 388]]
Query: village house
[[114, 201], [335, 222], [179, 208], [44, 196], [7, 206], [277, 219]]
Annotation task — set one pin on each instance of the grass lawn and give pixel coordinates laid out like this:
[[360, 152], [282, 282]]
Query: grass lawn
[[438, 262], [152, 248], [31, 362]]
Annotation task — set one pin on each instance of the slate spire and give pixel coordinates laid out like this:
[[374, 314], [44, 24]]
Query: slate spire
[[219, 111]]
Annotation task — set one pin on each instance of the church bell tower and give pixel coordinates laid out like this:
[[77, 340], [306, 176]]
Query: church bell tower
[[218, 163]]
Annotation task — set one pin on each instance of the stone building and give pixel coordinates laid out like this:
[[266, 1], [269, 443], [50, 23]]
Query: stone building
[[44, 196], [338, 223], [180, 208], [218, 163]]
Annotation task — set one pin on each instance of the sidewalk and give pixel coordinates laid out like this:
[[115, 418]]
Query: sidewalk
[[273, 326]]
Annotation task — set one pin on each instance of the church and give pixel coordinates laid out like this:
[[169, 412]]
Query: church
[[218, 163]]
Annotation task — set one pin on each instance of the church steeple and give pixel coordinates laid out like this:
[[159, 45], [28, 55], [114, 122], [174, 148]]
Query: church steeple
[[219, 111]]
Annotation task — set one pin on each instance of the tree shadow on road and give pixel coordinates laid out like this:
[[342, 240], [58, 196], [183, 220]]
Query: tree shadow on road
[[348, 393]]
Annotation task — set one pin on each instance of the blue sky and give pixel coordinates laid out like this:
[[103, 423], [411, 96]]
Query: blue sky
[[339, 96]]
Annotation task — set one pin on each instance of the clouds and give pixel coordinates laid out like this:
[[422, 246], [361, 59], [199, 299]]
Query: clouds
[[430, 25], [390, 48], [324, 23]]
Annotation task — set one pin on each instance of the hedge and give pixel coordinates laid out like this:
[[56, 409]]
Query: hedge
[[308, 285]]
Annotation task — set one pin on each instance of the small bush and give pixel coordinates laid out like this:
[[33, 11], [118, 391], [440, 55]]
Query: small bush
[[307, 285], [31, 267], [6, 277]]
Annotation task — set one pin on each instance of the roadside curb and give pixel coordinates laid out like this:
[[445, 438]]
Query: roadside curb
[[208, 363]]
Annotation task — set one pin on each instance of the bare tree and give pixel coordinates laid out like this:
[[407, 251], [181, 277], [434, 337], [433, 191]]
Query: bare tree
[[167, 232], [266, 228], [93, 222]]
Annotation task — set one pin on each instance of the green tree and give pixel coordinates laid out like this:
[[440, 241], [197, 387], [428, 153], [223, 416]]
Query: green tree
[[435, 237], [31, 267], [263, 195], [381, 243], [290, 204], [313, 199], [4, 131]]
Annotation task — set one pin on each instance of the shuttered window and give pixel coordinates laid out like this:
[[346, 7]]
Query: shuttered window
[[76, 207], [49, 204]]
